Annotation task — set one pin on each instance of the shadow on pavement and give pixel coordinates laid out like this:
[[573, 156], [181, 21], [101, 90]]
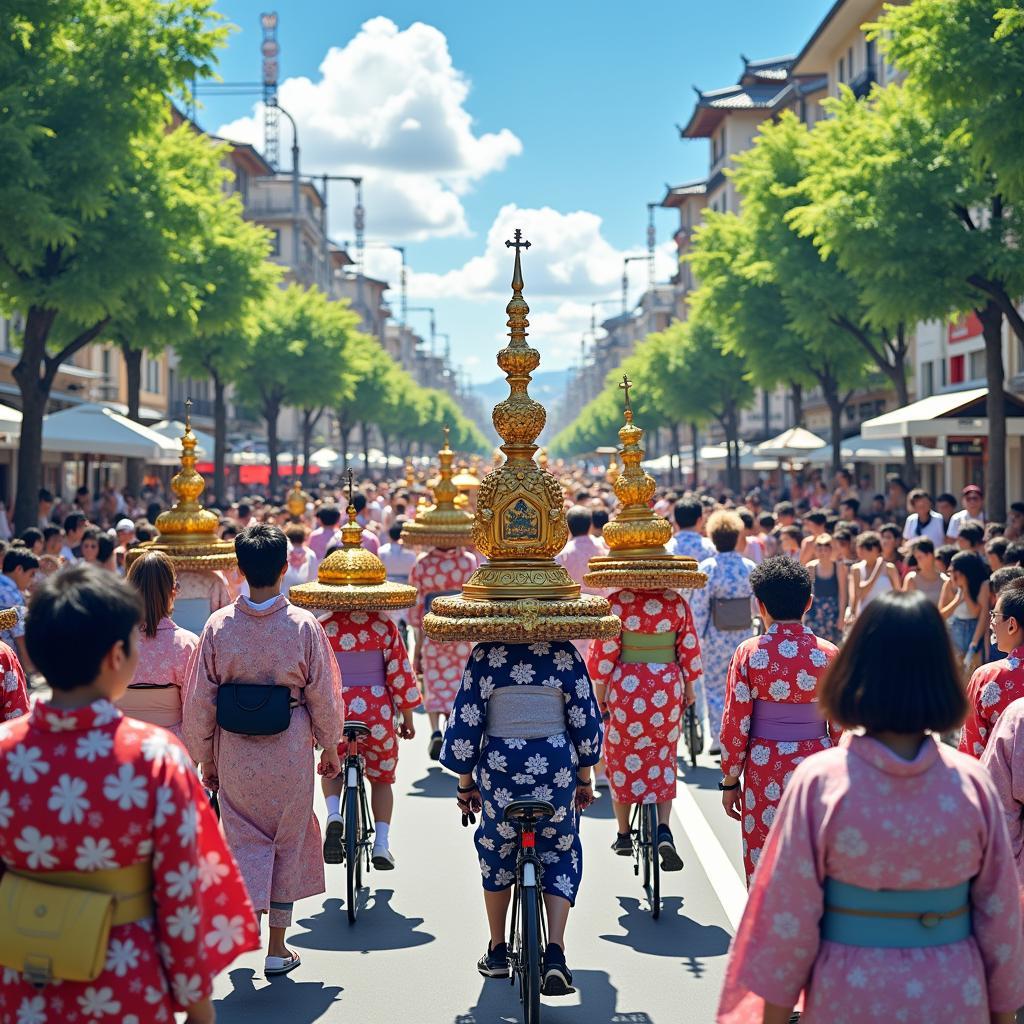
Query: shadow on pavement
[[283, 998], [672, 935], [598, 1004], [601, 808], [436, 783], [702, 777], [378, 927]]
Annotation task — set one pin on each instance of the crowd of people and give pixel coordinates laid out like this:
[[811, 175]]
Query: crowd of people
[[839, 650]]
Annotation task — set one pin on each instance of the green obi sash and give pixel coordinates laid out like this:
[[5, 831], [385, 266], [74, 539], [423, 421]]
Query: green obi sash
[[648, 648]]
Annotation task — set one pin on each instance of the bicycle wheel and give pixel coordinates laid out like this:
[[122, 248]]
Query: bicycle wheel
[[353, 851], [652, 865], [529, 952]]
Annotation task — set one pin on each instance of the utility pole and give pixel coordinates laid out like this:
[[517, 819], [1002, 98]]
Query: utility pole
[[433, 325]]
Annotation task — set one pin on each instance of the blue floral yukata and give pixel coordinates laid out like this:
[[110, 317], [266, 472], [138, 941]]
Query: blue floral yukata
[[525, 769]]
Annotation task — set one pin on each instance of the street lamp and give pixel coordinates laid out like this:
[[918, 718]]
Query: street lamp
[[433, 324], [626, 260], [400, 249], [295, 188]]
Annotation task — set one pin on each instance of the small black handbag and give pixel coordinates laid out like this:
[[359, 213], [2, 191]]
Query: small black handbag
[[253, 709]]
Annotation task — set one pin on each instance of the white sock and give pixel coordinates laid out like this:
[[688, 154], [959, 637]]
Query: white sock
[[334, 804], [381, 829]]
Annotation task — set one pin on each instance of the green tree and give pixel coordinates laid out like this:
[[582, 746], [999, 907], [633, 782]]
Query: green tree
[[91, 198]]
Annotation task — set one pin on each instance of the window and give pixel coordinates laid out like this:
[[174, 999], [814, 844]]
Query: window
[[842, 69], [977, 365], [275, 241], [151, 374], [927, 379], [956, 370]]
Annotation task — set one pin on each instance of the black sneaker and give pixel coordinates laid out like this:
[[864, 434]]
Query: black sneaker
[[494, 963], [670, 859], [334, 841], [556, 978], [623, 845], [434, 749]]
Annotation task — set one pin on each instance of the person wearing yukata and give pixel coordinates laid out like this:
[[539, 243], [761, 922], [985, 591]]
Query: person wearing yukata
[[352, 596], [646, 677], [1003, 759], [772, 721], [886, 890], [993, 687], [14, 700], [448, 562], [525, 725], [265, 782], [91, 799]]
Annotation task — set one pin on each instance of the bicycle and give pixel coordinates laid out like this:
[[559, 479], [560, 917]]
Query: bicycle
[[643, 828], [529, 925], [355, 818], [693, 733]]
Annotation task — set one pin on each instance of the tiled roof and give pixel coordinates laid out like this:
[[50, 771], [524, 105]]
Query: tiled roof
[[772, 68]]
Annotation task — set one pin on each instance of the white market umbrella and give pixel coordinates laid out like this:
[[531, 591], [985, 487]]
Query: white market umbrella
[[174, 429], [91, 429], [793, 443], [881, 450]]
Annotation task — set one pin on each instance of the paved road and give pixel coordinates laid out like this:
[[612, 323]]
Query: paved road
[[411, 956]]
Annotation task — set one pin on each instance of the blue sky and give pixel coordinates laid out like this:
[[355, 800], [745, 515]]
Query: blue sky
[[466, 118]]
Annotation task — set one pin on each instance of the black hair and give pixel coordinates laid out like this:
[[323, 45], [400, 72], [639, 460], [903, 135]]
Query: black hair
[[579, 520], [748, 519], [818, 518], [262, 552], [972, 531], [687, 512], [1018, 507], [600, 517], [153, 510], [73, 520], [891, 528], [74, 618], [974, 570], [1011, 602], [870, 540], [395, 531], [106, 548], [1004, 576], [783, 586], [997, 546], [244, 509], [949, 499], [329, 515], [45, 495], [851, 503], [925, 544], [896, 672], [51, 531], [946, 552], [766, 521], [32, 535], [82, 492], [919, 492], [19, 558], [359, 501], [145, 532], [582, 496], [785, 508]]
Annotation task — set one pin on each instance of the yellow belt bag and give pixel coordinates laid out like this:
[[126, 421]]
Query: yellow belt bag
[[55, 925]]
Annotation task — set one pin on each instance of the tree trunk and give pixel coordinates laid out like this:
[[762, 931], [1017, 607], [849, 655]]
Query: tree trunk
[[310, 418], [271, 410], [732, 443], [134, 468], [835, 410], [220, 441], [899, 379], [365, 428], [991, 317], [675, 474], [387, 452], [695, 438], [344, 429], [796, 393]]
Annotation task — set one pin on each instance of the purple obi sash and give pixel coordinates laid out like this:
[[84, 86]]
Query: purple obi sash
[[361, 668], [786, 723]]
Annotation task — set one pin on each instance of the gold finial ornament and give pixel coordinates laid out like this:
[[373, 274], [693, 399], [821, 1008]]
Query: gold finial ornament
[[520, 594], [187, 532], [352, 578], [637, 536], [297, 499], [441, 525]]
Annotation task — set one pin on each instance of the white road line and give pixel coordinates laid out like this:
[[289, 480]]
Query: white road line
[[729, 888]]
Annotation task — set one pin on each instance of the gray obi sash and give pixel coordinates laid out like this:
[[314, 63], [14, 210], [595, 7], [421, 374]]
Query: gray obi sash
[[361, 668], [525, 712]]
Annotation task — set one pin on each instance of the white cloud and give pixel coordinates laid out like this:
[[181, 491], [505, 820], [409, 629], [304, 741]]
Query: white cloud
[[390, 106]]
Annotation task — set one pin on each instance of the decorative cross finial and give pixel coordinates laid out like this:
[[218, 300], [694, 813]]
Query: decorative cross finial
[[446, 431], [188, 415], [519, 242], [351, 486], [625, 386]]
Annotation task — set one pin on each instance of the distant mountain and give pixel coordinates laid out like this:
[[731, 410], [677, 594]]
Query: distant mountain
[[547, 387]]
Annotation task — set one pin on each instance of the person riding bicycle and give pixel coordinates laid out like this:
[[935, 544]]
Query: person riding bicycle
[[647, 676], [375, 670]]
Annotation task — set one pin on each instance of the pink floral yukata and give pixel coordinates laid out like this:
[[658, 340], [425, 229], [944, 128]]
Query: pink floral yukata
[[1004, 760], [993, 687], [782, 666], [90, 789], [440, 571], [375, 706], [645, 701], [862, 815], [15, 691]]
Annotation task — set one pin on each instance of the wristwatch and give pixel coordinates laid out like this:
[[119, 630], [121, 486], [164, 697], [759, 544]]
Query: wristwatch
[[723, 787]]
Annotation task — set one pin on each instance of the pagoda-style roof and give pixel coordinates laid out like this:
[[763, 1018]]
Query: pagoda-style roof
[[772, 69], [676, 195]]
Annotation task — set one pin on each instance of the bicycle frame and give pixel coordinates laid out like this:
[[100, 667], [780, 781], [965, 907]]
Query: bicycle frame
[[529, 874], [354, 779]]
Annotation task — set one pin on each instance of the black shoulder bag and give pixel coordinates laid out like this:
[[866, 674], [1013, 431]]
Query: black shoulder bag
[[254, 709]]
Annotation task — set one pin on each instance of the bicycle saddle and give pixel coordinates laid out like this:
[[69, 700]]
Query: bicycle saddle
[[530, 811], [354, 729]]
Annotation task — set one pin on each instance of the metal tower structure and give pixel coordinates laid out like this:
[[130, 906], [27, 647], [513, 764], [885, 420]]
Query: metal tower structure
[[270, 50]]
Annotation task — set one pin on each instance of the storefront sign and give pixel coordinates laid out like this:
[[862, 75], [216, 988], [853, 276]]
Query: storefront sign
[[972, 448]]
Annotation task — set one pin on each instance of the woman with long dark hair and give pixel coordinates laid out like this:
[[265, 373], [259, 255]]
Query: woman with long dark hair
[[964, 603], [887, 885]]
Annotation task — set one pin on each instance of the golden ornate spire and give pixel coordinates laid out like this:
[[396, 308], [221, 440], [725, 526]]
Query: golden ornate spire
[[520, 593], [352, 578], [637, 535], [297, 499], [442, 525]]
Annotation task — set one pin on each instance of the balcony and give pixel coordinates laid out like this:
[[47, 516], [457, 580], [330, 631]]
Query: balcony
[[861, 84]]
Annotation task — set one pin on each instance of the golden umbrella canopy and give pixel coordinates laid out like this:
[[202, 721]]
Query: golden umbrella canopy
[[442, 525]]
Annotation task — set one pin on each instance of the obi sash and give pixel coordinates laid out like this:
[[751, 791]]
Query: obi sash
[[361, 668], [787, 723], [158, 705], [895, 918], [647, 648], [428, 600], [525, 712], [191, 613]]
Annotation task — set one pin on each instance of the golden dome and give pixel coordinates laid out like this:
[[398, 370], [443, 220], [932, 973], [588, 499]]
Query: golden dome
[[637, 536], [520, 594], [297, 499], [441, 525]]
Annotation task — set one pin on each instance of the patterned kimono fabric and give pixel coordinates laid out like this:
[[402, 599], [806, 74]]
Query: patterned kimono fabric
[[440, 572], [861, 828], [771, 723], [525, 769], [375, 705], [992, 689], [89, 790], [15, 690], [645, 699]]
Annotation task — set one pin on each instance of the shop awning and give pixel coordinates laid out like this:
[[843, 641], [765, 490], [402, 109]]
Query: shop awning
[[173, 430], [951, 414], [91, 429], [860, 449]]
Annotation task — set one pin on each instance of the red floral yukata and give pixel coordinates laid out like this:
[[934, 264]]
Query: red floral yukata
[[782, 666], [375, 706], [992, 689], [15, 691], [91, 789], [437, 572], [645, 701]]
